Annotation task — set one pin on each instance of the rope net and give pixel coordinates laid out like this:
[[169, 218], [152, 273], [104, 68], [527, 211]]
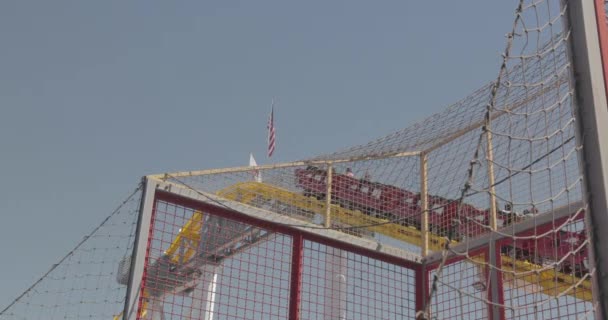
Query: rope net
[[89, 281], [503, 178], [488, 192]]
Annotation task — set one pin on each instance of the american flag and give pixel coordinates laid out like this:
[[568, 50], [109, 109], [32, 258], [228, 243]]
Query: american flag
[[271, 142]]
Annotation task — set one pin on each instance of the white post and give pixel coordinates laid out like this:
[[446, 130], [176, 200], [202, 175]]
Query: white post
[[328, 196], [592, 123], [492, 252], [203, 296], [139, 250], [155, 310], [424, 204], [492, 189], [335, 284], [335, 267]]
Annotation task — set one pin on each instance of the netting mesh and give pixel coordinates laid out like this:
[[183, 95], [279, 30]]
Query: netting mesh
[[463, 294], [247, 267], [203, 264], [490, 192], [368, 288], [501, 164], [90, 281]]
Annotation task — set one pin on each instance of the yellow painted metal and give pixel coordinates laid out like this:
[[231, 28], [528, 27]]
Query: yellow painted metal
[[144, 309], [185, 244], [552, 282], [247, 191]]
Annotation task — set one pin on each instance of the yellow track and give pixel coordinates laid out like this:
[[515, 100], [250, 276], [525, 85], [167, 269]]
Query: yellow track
[[553, 283], [187, 240], [245, 192]]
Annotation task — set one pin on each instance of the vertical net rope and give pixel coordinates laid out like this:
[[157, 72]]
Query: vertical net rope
[[89, 282]]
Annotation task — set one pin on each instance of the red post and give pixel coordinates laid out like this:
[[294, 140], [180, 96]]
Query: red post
[[296, 277], [496, 311], [142, 286], [422, 286], [501, 292]]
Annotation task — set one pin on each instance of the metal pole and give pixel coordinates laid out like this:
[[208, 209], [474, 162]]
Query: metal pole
[[593, 126], [422, 285], [490, 163], [336, 264], [295, 295], [203, 297], [328, 196], [424, 204], [140, 246], [164, 176], [156, 311], [494, 283]]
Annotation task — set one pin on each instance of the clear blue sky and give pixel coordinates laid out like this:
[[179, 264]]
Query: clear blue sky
[[95, 94]]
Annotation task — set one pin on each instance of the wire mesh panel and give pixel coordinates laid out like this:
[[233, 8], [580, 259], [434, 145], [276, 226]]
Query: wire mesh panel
[[206, 261], [337, 284], [89, 282], [545, 274], [499, 171], [376, 199], [462, 289], [199, 265], [526, 183]]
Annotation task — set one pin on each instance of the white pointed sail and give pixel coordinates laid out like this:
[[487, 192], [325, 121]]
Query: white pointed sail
[[257, 175]]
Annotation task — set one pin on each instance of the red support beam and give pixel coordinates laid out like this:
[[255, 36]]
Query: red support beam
[[142, 286], [422, 287], [496, 310], [501, 293], [285, 229], [295, 289]]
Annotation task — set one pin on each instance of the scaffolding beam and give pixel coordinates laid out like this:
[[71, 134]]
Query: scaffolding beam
[[139, 250]]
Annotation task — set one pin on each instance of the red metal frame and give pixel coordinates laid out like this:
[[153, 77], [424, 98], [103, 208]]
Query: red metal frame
[[602, 30], [142, 286], [296, 277], [480, 251], [298, 237], [458, 258], [289, 230], [422, 288], [501, 293]]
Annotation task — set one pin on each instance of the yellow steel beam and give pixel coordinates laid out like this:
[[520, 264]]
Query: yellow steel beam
[[247, 191], [185, 244], [552, 281]]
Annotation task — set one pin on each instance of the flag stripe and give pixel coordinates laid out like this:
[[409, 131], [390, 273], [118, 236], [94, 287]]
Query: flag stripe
[[271, 134]]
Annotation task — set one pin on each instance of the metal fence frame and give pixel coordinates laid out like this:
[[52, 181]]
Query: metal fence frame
[[157, 190]]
